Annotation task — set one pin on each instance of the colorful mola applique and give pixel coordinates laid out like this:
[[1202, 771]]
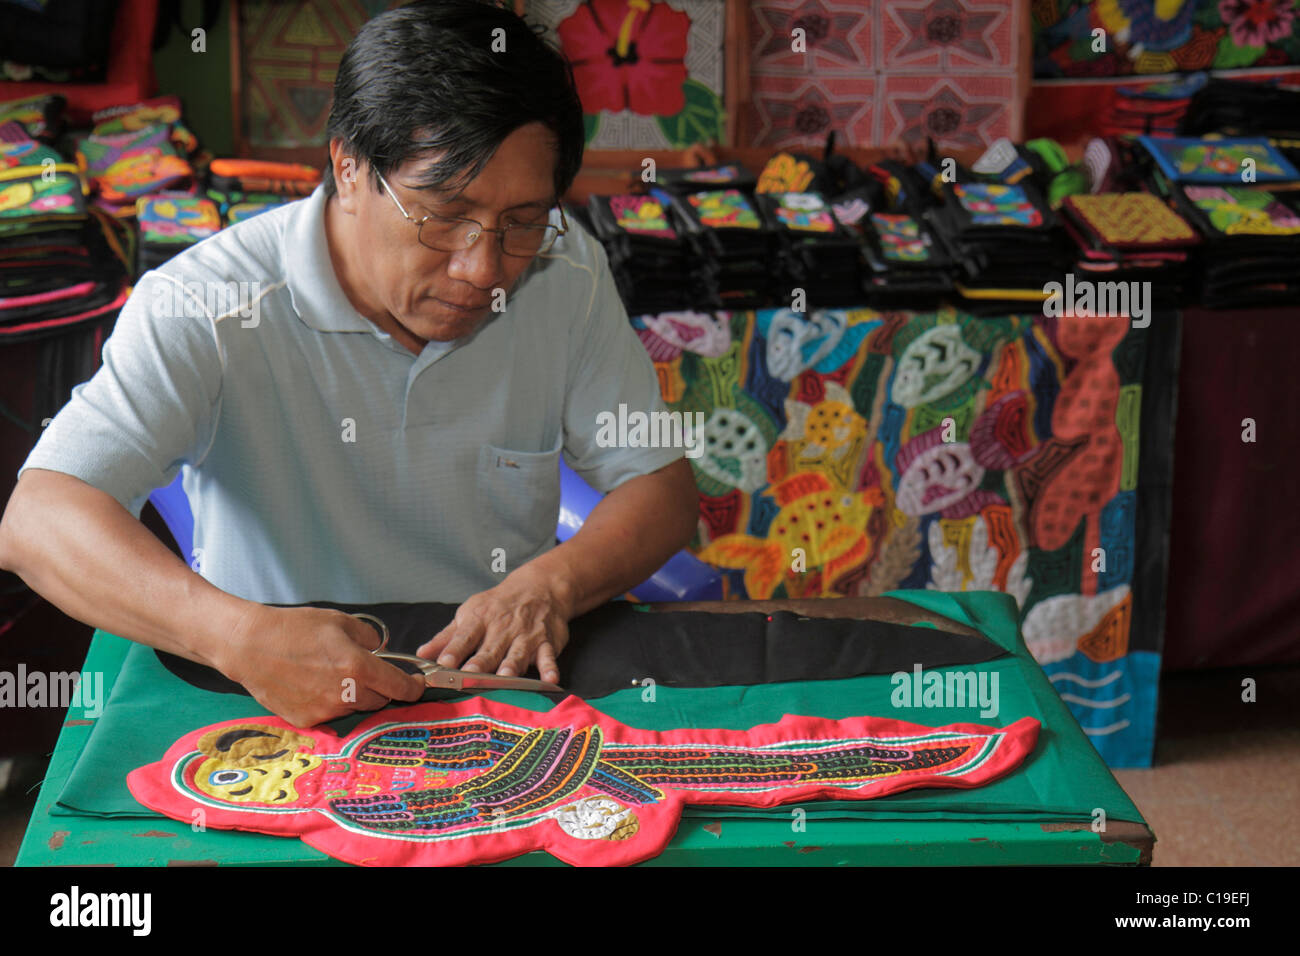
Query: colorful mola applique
[[825, 523], [704, 333], [478, 782], [936, 363]]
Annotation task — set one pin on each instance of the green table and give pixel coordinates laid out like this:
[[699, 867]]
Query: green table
[[1046, 816]]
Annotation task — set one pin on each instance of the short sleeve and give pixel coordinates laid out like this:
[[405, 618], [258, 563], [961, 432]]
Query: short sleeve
[[612, 372], [153, 404]]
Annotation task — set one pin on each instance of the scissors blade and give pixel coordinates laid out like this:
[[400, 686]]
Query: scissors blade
[[470, 680], [446, 678]]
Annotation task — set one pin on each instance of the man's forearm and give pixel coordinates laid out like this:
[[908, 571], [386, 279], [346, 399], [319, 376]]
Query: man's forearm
[[82, 551], [626, 538]]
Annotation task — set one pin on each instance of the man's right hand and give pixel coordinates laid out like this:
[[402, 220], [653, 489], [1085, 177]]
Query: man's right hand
[[309, 665]]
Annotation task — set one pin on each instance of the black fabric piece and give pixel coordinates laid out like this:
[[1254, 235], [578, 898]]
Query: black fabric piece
[[615, 645]]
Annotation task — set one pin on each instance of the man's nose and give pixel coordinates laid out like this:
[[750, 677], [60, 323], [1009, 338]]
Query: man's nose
[[480, 265]]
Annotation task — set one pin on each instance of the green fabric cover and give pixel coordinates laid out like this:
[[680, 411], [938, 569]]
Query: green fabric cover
[[1064, 779]]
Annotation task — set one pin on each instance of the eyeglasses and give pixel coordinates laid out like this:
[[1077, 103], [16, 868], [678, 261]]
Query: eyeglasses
[[456, 234]]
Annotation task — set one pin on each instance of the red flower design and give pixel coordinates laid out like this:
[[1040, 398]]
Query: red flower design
[[627, 54], [1257, 22]]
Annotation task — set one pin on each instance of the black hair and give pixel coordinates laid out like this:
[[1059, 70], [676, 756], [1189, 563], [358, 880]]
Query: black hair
[[424, 78]]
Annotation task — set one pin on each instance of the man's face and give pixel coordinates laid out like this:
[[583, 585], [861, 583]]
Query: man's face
[[417, 293]]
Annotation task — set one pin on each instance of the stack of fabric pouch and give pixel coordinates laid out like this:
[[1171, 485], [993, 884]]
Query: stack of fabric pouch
[[648, 256], [40, 198], [286, 180], [1006, 241], [726, 228], [122, 167], [55, 265], [172, 222], [1130, 236], [1241, 108], [815, 252], [1252, 242], [909, 265], [1154, 109]]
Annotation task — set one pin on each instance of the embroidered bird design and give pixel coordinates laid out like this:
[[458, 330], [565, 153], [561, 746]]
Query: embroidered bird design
[[478, 781]]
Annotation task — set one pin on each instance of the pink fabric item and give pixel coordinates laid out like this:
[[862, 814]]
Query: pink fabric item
[[477, 781]]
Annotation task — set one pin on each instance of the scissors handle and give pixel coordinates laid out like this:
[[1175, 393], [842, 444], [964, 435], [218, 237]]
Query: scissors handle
[[380, 625]]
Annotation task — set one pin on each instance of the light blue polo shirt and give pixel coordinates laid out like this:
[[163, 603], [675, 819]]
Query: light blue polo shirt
[[324, 461]]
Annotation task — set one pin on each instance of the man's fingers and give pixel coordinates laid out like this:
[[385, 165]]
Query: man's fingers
[[547, 669], [393, 682], [435, 645], [369, 700], [362, 632], [467, 638], [517, 660], [490, 652]]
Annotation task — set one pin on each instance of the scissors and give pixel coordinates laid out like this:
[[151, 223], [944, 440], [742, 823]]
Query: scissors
[[446, 678]]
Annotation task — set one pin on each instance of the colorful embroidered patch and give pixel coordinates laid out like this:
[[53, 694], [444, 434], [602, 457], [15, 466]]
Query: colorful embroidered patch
[[160, 111], [132, 164], [1236, 211], [27, 153], [1131, 220], [641, 215], [991, 204], [177, 219], [30, 194], [247, 210], [1222, 161], [784, 174], [804, 212], [901, 239], [724, 209], [478, 782]]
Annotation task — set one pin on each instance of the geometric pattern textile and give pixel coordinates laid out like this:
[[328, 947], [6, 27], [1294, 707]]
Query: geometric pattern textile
[[880, 72]]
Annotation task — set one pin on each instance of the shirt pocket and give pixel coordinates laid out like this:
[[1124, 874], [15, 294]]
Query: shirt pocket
[[518, 503]]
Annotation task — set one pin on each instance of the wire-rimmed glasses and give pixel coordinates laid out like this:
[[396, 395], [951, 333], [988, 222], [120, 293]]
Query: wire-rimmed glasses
[[454, 234]]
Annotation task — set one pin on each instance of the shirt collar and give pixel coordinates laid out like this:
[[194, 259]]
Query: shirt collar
[[313, 287]]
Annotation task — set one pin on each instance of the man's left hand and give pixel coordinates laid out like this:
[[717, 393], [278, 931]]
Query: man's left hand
[[522, 621]]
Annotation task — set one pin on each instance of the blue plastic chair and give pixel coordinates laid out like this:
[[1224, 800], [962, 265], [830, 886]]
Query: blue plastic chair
[[684, 578]]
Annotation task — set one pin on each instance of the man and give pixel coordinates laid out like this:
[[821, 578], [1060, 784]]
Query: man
[[370, 429]]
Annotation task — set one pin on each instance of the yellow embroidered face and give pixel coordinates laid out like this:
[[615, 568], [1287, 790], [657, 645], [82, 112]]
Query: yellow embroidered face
[[253, 763]]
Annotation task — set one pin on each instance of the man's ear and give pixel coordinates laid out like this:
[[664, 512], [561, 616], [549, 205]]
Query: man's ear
[[347, 175]]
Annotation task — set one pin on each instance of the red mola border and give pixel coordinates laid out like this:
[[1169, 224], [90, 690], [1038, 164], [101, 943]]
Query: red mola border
[[572, 781]]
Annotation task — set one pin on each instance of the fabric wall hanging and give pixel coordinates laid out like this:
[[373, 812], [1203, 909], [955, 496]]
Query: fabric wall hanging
[[825, 472], [478, 781], [286, 55], [651, 73], [880, 72], [1145, 37]]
